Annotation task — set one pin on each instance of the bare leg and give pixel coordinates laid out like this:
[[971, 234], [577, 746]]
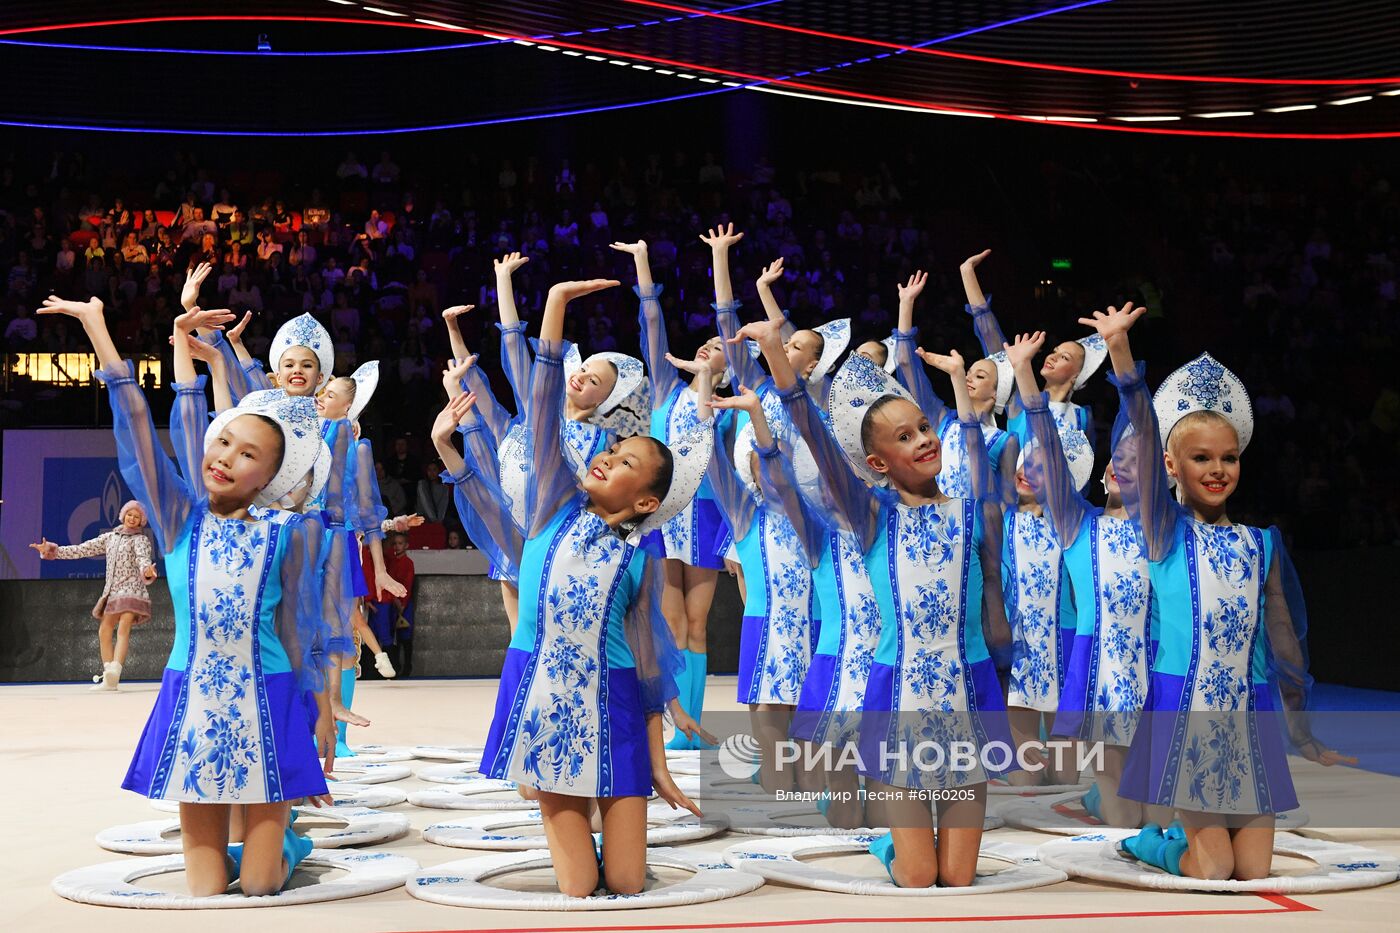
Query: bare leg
[[699, 586], [845, 811], [123, 636], [1209, 853], [1253, 843], [264, 869], [673, 602], [960, 838], [1068, 771], [570, 836], [915, 862], [624, 843], [204, 837], [1025, 728], [236, 822], [361, 625], [770, 725], [105, 628], [1116, 810], [511, 598]]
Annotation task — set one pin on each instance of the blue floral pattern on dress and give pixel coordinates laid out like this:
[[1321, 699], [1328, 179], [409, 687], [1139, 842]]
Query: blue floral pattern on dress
[[928, 537], [1229, 553], [1217, 765], [220, 756], [220, 678], [1229, 625], [230, 545], [929, 614], [566, 663], [934, 675], [1120, 539], [229, 619], [1037, 579], [577, 605], [557, 740], [1125, 594], [1222, 687]]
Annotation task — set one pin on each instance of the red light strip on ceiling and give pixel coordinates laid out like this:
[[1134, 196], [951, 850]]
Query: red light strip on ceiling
[[1011, 62]]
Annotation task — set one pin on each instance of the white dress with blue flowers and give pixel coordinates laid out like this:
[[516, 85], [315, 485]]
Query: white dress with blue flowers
[[1040, 607], [1226, 618], [592, 656], [233, 719]]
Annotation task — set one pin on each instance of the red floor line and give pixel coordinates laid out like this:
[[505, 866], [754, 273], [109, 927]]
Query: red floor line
[[1283, 905]]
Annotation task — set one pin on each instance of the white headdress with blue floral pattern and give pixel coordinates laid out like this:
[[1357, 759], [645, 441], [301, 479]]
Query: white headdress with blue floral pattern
[[301, 441], [803, 463], [303, 331], [836, 336], [891, 362], [1095, 351], [690, 458], [1006, 379], [1079, 454], [1204, 385], [366, 381], [858, 385], [629, 374]]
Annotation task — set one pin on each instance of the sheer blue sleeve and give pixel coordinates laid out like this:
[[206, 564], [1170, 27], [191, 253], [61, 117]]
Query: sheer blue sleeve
[[655, 346], [854, 506], [237, 378], [910, 371], [485, 514], [256, 378], [989, 335], [167, 498], [1008, 452], [782, 492], [491, 411], [995, 626], [480, 448], [731, 494], [741, 363], [339, 482], [369, 510], [552, 480], [1138, 464], [1048, 473], [515, 359], [658, 661], [1286, 634], [187, 427], [313, 641]]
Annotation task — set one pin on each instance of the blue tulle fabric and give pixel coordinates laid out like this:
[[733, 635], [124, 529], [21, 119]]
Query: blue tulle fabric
[[488, 408], [170, 499], [746, 370], [1049, 475], [515, 360], [735, 501], [1142, 477], [807, 509]]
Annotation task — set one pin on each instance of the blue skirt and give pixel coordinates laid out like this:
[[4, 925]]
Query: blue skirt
[[1209, 762], [621, 758], [356, 584], [285, 749], [710, 537], [816, 719], [768, 673]]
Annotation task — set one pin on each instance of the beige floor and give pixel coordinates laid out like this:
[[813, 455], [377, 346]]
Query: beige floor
[[63, 751]]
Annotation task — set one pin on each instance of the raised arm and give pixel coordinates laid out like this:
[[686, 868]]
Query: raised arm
[[736, 356], [771, 308], [734, 500], [515, 352], [551, 480], [481, 444], [166, 497], [655, 343], [218, 370], [454, 330], [1046, 468], [481, 505], [984, 322], [1137, 460]]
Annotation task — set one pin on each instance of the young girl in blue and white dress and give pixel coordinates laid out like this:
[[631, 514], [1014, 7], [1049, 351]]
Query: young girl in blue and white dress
[[1104, 682], [775, 640], [592, 389], [125, 602], [694, 541], [932, 678], [1002, 447], [230, 724], [590, 667], [1067, 368], [828, 707], [1211, 744]]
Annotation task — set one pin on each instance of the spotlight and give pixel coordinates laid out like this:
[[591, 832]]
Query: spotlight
[[263, 44]]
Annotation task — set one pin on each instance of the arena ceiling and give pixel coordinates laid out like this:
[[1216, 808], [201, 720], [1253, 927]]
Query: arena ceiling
[[1247, 68]]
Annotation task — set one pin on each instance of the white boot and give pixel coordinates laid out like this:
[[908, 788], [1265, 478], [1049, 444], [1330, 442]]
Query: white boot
[[383, 665], [111, 675]]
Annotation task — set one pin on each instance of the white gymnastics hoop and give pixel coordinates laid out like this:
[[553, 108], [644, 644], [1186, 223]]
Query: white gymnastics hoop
[[1338, 866], [519, 831], [727, 788], [368, 772], [360, 826], [449, 752], [376, 797], [463, 883], [780, 859], [381, 754], [998, 786], [450, 773], [113, 884], [778, 820], [1043, 813], [472, 795]]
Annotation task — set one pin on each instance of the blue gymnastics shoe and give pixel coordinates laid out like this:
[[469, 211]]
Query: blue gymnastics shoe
[[1174, 831], [1154, 848], [294, 849], [1092, 803], [883, 849], [235, 855]]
